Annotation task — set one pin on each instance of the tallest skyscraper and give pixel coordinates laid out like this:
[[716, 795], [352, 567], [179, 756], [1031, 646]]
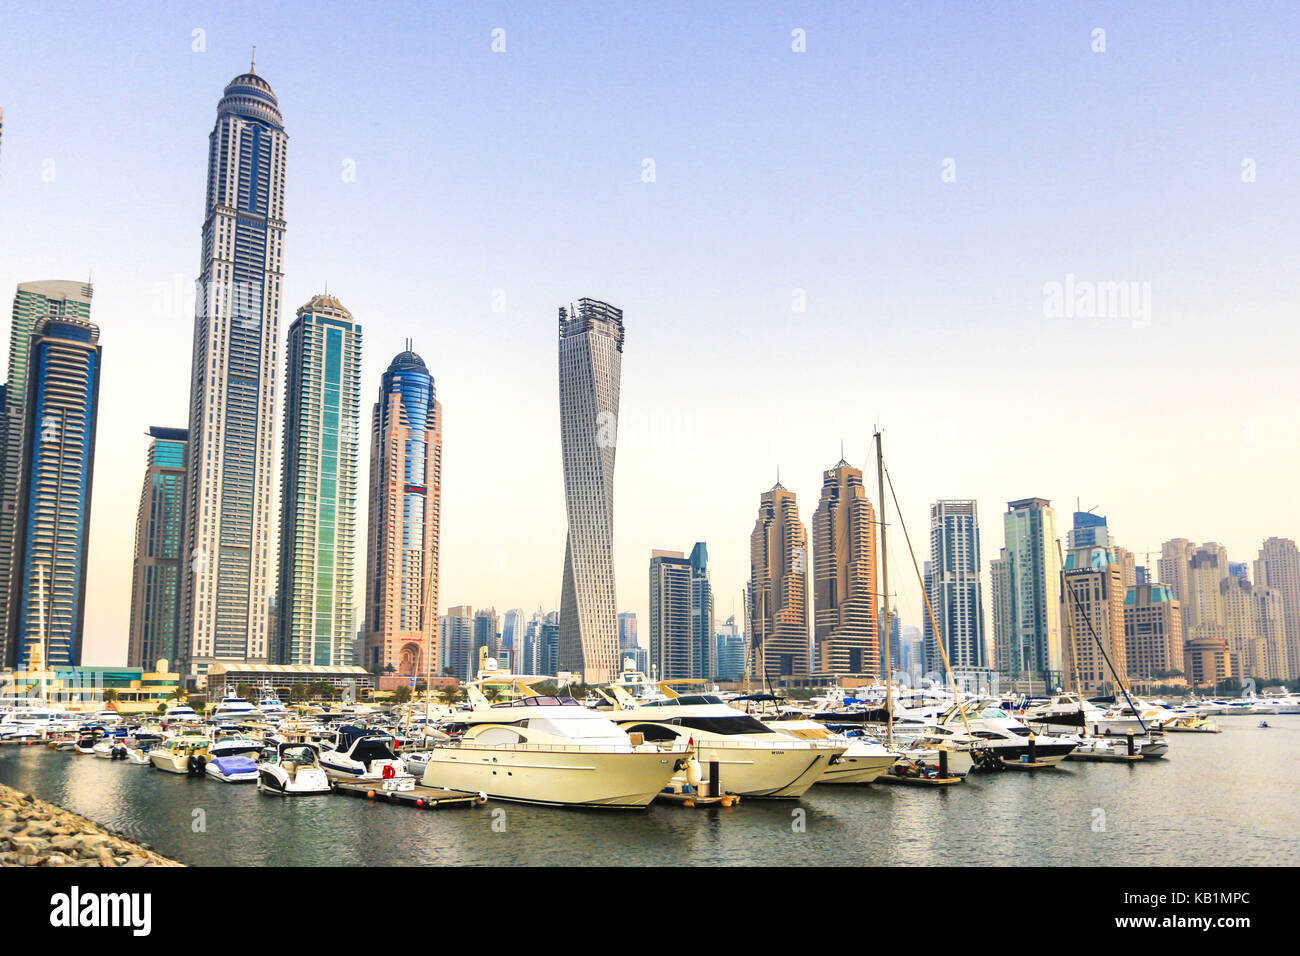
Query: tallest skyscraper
[[591, 362], [224, 607]]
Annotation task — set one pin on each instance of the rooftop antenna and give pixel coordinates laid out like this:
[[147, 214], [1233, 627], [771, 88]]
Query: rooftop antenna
[[252, 67]]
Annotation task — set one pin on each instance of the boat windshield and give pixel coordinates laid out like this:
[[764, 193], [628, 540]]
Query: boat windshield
[[725, 726], [542, 701], [689, 700]]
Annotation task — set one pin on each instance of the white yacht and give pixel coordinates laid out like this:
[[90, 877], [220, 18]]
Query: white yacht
[[752, 759], [862, 762], [235, 708], [1071, 714], [551, 750], [180, 712], [272, 706], [991, 734]]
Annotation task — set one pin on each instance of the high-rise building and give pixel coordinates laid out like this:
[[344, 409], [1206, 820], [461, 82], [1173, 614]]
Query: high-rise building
[[1278, 566], [1171, 569], [671, 635], [1153, 632], [704, 660], [591, 357], [627, 635], [405, 509], [318, 486], [846, 605], [893, 635], [1033, 598], [226, 589], [486, 635], [730, 653], [1127, 562], [1256, 627], [512, 635], [777, 596], [956, 594], [56, 471], [33, 301], [1239, 569], [548, 645], [155, 579], [1203, 605], [1005, 650], [456, 642], [1092, 607], [1089, 531]]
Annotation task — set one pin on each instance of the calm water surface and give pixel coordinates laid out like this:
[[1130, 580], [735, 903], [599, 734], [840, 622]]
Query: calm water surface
[[1216, 799]]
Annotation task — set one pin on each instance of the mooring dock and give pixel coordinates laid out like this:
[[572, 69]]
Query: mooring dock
[[419, 796]]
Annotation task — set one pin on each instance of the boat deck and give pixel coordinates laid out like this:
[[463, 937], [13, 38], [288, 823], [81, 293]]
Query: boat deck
[[420, 796]]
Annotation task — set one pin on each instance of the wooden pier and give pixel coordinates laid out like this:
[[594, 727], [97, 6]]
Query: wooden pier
[[419, 796]]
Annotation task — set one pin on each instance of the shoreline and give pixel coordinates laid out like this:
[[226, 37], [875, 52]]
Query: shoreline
[[34, 832]]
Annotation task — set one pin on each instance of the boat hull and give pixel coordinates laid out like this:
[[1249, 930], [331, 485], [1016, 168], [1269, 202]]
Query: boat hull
[[554, 777], [776, 772], [859, 768]]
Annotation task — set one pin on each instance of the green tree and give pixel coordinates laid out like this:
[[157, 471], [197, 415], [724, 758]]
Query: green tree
[[402, 695], [243, 690], [450, 694], [298, 691]]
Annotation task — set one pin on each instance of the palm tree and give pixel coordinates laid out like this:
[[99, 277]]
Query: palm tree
[[450, 694], [492, 692]]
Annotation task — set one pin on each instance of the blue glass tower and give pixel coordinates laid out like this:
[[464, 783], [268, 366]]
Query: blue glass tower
[[52, 523]]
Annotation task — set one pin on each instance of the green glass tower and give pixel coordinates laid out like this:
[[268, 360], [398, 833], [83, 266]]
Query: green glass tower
[[318, 492]]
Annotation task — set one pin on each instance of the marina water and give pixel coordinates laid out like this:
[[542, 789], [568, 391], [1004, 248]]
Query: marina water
[[1228, 799]]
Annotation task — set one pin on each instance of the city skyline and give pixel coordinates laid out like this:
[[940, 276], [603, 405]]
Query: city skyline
[[691, 414]]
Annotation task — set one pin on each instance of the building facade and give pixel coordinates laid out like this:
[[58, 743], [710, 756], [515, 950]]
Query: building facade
[[846, 636], [1033, 591], [318, 486], [33, 301], [671, 635], [1092, 607], [155, 578], [1278, 566], [777, 596], [591, 358], [405, 513], [1256, 626], [955, 590], [1153, 633], [57, 464], [227, 533], [456, 642]]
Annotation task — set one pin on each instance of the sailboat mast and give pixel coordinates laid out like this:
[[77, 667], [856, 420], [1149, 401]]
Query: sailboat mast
[[884, 587]]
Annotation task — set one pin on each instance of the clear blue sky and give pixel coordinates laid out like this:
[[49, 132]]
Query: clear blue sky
[[775, 171]]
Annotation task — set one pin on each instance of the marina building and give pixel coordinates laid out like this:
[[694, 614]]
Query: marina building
[[846, 637], [590, 359], [456, 641], [155, 579], [777, 596], [671, 653], [229, 506], [405, 509], [318, 491], [1278, 566], [1172, 567], [1256, 625], [348, 680], [1092, 606]]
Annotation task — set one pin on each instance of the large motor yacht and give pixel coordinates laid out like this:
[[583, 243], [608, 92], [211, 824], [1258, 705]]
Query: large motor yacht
[[752, 759], [551, 750]]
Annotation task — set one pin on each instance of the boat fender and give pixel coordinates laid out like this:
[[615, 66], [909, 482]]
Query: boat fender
[[693, 774]]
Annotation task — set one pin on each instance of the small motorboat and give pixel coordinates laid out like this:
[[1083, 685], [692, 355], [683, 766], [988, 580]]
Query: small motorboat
[[365, 754], [1263, 723], [232, 769], [416, 762], [293, 770]]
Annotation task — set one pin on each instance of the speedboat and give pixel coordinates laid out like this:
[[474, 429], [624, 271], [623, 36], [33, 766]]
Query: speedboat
[[179, 712], [232, 745], [551, 750], [1071, 714], [187, 754], [366, 754], [293, 769], [233, 769], [994, 737], [751, 758]]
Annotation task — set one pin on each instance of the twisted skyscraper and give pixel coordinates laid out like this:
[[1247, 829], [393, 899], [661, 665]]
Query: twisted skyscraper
[[224, 608], [591, 358]]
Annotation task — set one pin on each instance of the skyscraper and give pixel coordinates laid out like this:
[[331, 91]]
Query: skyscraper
[[1256, 627], [56, 470], [956, 594], [846, 639], [486, 635], [1278, 566], [1033, 598], [405, 502], [671, 653], [155, 583], [512, 636], [456, 637], [1005, 649], [33, 301], [227, 534], [1153, 632], [318, 486], [1171, 568], [777, 597], [704, 660], [731, 651], [591, 357], [1093, 613]]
